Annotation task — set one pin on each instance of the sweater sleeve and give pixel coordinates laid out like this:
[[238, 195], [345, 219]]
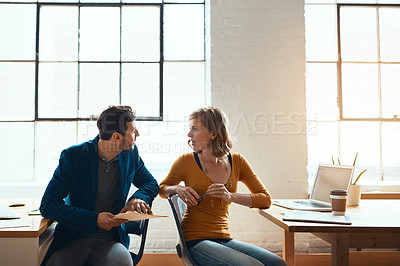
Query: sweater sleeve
[[174, 177], [259, 194]]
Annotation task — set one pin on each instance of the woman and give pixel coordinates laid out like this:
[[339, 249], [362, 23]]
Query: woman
[[211, 174]]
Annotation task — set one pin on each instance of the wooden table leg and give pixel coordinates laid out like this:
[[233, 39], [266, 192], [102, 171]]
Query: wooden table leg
[[340, 249], [288, 248]]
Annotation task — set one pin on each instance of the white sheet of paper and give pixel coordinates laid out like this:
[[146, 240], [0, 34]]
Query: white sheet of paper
[[10, 223], [312, 216], [134, 216]]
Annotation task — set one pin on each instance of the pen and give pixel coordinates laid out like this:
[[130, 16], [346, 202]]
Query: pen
[[224, 186], [202, 197], [34, 212], [17, 205]]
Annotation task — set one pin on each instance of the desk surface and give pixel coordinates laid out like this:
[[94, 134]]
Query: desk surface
[[372, 216], [375, 224], [37, 224]]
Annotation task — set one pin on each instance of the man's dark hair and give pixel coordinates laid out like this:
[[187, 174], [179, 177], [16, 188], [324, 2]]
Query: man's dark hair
[[114, 119]]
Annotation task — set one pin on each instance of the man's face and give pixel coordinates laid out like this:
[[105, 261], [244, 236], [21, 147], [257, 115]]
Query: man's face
[[129, 139]]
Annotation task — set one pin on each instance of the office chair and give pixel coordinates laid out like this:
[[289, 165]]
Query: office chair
[[138, 228], [178, 208]]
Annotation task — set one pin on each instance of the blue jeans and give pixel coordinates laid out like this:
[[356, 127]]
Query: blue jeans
[[232, 252]]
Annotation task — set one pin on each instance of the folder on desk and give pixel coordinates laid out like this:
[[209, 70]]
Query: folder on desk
[[315, 217]]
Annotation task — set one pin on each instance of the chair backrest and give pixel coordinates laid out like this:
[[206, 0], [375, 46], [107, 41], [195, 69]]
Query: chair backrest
[[178, 208], [138, 228]]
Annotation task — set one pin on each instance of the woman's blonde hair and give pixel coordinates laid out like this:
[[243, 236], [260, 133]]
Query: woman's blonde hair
[[215, 121]]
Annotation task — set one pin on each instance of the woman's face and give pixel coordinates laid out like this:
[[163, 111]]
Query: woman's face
[[199, 136]]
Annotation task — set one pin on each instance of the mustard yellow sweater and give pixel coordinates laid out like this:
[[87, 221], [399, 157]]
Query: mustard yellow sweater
[[210, 218]]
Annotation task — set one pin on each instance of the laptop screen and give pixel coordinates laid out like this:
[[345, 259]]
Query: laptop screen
[[330, 177]]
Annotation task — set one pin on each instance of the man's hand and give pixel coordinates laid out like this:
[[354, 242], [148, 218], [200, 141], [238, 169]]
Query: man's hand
[[136, 204], [107, 221]]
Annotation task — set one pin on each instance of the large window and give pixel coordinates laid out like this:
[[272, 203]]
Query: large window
[[353, 91], [62, 63]]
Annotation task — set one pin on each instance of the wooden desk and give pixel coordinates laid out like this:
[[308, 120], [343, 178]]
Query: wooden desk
[[25, 245], [375, 224]]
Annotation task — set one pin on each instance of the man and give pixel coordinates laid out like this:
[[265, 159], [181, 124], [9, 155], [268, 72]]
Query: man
[[90, 186]]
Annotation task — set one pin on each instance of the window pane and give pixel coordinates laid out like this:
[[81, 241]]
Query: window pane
[[358, 34], [184, 32], [58, 1], [183, 1], [99, 1], [356, 1], [388, 1], [20, 1], [390, 80], [321, 93], [360, 90], [183, 89], [321, 32], [391, 151], [99, 88], [17, 155], [140, 33], [17, 91], [141, 88], [361, 137], [87, 130], [18, 40], [160, 143], [389, 23], [58, 33], [319, 1], [322, 140], [99, 34], [141, 1], [58, 90], [51, 139]]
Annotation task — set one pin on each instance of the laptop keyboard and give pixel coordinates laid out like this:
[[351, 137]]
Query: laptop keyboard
[[7, 213], [313, 204]]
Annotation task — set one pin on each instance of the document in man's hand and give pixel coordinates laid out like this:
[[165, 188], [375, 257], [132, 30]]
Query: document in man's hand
[[315, 217], [135, 216]]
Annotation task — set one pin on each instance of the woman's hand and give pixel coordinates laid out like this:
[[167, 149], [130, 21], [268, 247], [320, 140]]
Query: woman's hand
[[218, 190], [188, 195]]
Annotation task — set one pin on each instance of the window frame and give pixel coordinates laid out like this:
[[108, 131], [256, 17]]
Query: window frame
[[35, 178], [161, 116], [339, 63]]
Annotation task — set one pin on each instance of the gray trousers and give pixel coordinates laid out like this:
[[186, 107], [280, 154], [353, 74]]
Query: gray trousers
[[91, 251]]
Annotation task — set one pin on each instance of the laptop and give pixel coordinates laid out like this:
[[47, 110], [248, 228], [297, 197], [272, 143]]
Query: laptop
[[328, 177]]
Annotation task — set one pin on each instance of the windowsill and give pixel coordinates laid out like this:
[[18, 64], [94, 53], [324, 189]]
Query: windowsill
[[26, 189], [380, 186]]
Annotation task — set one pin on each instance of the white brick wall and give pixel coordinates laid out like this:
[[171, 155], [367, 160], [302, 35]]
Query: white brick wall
[[258, 79]]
